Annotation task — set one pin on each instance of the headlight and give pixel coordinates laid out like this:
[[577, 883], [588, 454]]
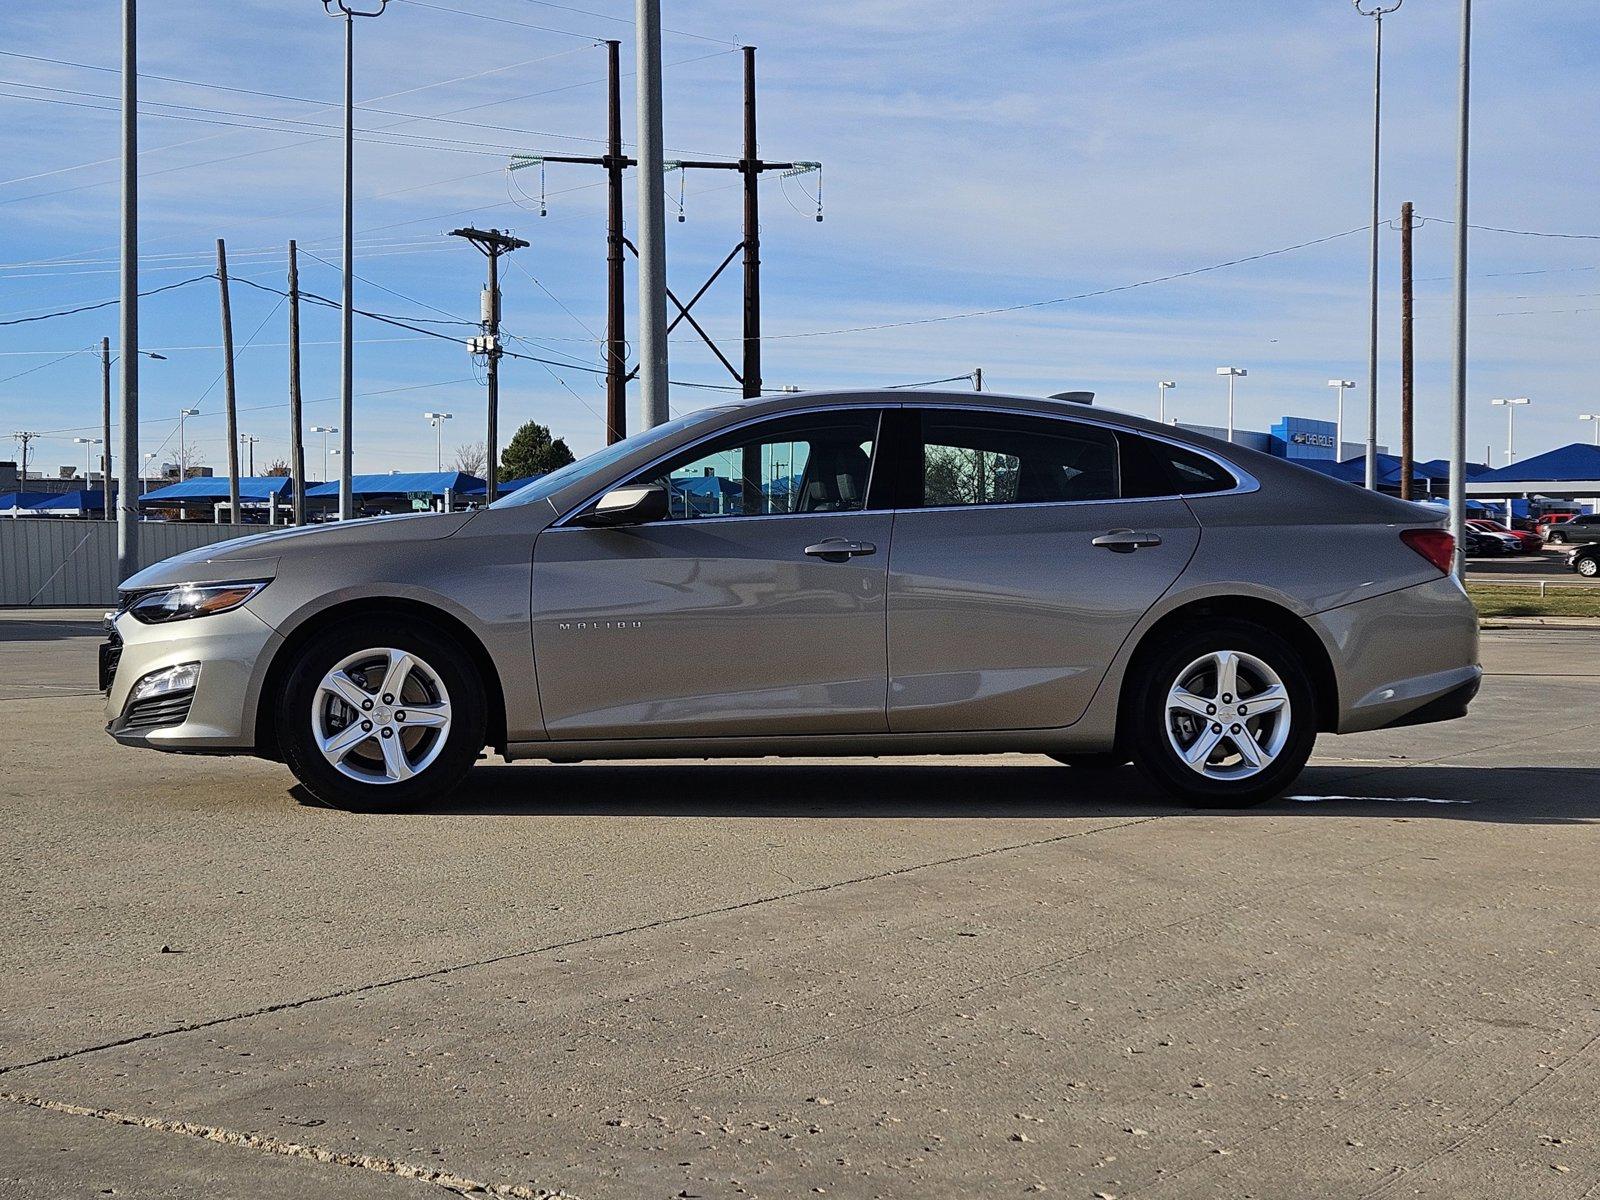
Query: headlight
[[192, 600]]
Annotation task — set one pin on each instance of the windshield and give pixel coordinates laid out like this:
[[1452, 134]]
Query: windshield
[[548, 485]]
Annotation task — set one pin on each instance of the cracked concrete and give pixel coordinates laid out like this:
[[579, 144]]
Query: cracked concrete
[[928, 978]]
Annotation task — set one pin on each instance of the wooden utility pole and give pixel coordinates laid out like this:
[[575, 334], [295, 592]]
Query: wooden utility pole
[[297, 449], [1407, 362], [493, 243], [227, 382], [110, 513]]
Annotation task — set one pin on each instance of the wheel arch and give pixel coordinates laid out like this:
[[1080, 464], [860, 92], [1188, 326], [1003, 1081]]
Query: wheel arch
[[266, 733], [1269, 615]]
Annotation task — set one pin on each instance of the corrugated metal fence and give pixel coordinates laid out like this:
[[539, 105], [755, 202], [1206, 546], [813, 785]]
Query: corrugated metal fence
[[49, 562]]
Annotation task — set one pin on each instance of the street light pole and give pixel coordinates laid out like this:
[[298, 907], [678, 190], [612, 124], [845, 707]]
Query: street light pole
[[1338, 424], [324, 430], [437, 420], [88, 466], [1511, 406], [1594, 420], [347, 298], [183, 445], [1232, 373], [1377, 12], [1161, 400]]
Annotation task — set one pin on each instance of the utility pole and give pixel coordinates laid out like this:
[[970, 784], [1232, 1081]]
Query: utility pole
[[751, 166], [1377, 12], [1458, 423], [297, 449], [105, 431], [128, 499], [651, 224], [977, 379], [1407, 359], [493, 243], [250, 439], [26, 437], [616, 337], [227, 383]]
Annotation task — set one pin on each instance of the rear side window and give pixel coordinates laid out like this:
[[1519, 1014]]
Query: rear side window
[[1168, 470], [981, 458]]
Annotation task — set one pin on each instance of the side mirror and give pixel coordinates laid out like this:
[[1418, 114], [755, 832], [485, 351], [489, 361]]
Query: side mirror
[[631, 505]]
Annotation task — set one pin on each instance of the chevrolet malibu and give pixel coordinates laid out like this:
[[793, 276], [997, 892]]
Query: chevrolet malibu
[[843, 574]]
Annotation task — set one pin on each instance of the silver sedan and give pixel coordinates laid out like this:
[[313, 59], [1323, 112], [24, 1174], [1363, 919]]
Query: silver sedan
[[863, 573]]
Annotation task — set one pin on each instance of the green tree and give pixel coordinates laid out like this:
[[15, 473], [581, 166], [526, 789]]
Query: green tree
[[532, 451]]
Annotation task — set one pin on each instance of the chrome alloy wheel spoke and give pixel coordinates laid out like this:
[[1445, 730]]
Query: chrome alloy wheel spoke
[[386, 735], [1228, 715]]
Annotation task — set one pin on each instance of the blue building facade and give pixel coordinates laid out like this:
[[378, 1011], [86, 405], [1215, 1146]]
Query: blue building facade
[[1302, 438]]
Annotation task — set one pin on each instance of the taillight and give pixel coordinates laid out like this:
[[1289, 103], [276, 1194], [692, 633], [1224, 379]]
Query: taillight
[[1435, 545]]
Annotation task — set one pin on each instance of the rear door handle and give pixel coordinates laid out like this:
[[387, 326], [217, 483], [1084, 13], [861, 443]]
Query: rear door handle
[[840, 550], [1126, 541]]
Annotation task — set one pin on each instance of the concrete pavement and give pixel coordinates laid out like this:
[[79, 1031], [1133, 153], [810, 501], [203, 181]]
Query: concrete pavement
[[907, 978]]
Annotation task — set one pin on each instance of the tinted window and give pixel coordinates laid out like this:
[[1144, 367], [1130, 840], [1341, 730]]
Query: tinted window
[[815, 462], [995, 458], [1193, 474]]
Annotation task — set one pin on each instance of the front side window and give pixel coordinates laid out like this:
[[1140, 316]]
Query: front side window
[[810, 463], [980, 458]]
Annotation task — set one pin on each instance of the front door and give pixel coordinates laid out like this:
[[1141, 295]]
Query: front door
[[755, 608], [1018, 571]]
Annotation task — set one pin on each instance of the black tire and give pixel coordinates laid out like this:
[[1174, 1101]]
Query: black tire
[[463, 739], [1588, 566], [1145, 717], [1558, 539], [1105, 760]]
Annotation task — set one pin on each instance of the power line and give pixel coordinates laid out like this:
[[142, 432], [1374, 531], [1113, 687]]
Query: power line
[[463, 12], [1533, 233], [1107, 291], [67, 312]]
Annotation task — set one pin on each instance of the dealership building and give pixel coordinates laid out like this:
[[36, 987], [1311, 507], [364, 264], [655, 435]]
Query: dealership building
[[1299, 439]]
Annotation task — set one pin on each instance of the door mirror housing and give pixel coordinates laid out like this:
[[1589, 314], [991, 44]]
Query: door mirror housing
[[633, 504]]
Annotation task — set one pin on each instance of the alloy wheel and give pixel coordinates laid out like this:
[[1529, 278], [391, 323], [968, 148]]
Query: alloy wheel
[[381, 716], [1228, 715]]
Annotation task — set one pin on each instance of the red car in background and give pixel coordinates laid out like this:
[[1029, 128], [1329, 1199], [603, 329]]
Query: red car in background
[[1527, 543], [1551, 518]]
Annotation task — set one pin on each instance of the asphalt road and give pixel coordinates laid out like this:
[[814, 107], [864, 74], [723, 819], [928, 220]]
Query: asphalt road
[[914, 978], [1551, 566]]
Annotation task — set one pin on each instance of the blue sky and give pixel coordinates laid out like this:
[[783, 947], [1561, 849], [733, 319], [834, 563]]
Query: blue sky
[[977, 156]]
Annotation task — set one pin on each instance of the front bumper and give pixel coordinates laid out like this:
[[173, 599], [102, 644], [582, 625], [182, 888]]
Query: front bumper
[[232, 648], [1406, 657]]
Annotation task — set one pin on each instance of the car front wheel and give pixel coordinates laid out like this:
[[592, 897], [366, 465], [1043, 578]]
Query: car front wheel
[[1222, 715], [1558, 539], [381, 714], [1588, 566]]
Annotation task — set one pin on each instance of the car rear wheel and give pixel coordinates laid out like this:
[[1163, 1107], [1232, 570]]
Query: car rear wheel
[[381, 714], [1222, 715], [1588, 566], [1558, 539]]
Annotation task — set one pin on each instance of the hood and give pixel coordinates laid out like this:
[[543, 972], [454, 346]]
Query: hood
[[256, 555]]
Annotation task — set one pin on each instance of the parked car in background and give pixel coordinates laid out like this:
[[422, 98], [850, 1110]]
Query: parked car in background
[[1546, 520], [1525, 543], [1483, 545], [1585, 560], [1580, 529], [885, 573]]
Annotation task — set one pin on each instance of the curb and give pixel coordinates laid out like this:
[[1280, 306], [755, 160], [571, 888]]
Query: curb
[[1539, 623]]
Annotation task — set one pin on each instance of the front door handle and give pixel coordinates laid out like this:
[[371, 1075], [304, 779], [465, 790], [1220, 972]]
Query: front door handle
[[1126, 541], [840, 550]]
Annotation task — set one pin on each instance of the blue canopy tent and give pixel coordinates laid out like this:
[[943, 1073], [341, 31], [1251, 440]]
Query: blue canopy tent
[[70, 504], [398, 491], [1570, 472], [15, 504], [704, 495], [204, 492], [479, 488]]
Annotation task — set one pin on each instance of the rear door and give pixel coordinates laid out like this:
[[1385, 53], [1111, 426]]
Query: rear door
[[1018, 568], [756, 607]]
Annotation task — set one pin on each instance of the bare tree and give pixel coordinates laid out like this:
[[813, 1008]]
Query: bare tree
[[278, 469], [471, 458]]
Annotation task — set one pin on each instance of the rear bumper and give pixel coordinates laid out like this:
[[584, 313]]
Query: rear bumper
[[1404, 658]]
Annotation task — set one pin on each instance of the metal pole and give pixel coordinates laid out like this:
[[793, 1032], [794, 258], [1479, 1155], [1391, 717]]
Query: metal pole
[[1230, 408], [616, 336], [977, 379], [750, 166], [347, 296], [653, 398], [1372, 344], [297, 448], [229, 395], [1407, 356], [1458, 439], [492, 467], [128, 500], [105, 434], [1511, 434]]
